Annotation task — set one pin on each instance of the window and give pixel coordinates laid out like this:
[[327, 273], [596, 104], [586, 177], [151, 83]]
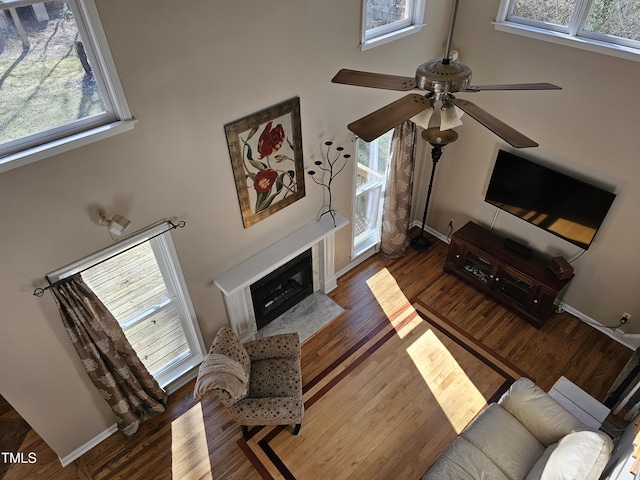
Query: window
[[372, 159], [58, 84], [142, 286], [386, 20], [605, 26]]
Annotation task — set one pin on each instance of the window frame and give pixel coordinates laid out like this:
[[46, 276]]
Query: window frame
[[370, 241], [572, 35], [116, 120], [166, 256], [393, 31]]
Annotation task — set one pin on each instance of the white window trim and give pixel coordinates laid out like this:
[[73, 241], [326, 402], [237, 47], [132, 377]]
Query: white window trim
[[62, 145], [388, 33], [114, 94], [371, 241], [592, 42], [164, 249]]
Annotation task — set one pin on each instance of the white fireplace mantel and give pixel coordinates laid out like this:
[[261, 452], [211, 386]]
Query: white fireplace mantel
[[235, 283]]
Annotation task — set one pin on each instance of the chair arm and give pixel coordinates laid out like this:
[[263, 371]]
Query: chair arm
[[283, 345]]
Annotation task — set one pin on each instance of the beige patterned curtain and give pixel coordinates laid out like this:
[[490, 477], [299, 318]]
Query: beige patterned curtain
[[112, 364], [397, 196]]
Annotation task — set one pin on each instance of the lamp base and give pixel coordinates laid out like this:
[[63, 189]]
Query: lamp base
[[420, 243]]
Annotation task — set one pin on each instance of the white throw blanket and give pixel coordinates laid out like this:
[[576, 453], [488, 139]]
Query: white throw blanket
[[220, 371]]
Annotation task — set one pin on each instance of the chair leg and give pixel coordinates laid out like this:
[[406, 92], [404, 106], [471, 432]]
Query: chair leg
[[245, 431], [297, 429]]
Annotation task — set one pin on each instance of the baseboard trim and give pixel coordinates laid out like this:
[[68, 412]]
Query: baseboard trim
[[431, 231], [84, 448], [355, 261], [630, 340]]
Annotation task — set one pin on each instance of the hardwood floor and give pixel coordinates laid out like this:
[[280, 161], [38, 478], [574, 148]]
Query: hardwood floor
[[198, 440]]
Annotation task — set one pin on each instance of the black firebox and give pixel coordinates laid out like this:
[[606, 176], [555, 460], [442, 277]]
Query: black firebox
[[282, 289]]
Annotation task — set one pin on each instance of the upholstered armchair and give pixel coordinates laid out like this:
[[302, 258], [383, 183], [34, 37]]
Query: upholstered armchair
[[259, 382]]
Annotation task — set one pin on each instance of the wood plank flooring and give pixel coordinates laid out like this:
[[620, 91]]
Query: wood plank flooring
[[198, 440], [376, 413]]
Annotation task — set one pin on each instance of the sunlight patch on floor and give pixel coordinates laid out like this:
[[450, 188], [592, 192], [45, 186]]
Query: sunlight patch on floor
[[390, 297], [454, 391], [449, 384], [189, 448]]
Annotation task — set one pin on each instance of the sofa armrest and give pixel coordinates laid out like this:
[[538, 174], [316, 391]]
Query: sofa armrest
[[276, 346]]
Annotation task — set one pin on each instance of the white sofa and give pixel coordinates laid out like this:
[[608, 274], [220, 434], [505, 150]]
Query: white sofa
[[526, 435]]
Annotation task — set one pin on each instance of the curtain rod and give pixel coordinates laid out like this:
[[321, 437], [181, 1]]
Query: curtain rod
[[39, 292]]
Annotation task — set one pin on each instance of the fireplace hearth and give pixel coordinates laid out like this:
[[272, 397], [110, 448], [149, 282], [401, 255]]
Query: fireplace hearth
[[282, 289]]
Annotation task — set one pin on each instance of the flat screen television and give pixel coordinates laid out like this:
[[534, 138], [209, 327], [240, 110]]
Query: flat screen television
[[556, 202]]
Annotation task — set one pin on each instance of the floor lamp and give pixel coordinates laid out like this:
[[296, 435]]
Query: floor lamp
[[438, 139]]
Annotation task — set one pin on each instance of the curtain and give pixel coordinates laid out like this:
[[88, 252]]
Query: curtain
[[110, 361], [625, 391], [396, 209]]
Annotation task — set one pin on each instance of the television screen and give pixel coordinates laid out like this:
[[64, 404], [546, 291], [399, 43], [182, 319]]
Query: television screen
[[553, 201]]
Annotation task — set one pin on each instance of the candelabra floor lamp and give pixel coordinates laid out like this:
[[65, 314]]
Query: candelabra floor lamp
[[438, 140]]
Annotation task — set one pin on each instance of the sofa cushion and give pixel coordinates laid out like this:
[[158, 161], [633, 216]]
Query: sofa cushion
[[538, 412], [505, 441], [582, 454], [275, 377], [462, 460]]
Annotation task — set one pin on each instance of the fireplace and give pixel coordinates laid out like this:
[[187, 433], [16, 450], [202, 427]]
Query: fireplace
[[282, 289], [319, 236]]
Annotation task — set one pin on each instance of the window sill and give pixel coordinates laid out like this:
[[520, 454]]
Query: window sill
[[620, 51], [50, 149], [390, 37]]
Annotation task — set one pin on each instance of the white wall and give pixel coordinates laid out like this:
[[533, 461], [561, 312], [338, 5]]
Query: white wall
[[187, 69], [589, 128]]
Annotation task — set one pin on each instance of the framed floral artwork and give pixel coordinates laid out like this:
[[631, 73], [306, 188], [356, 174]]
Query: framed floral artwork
[[266, 156]]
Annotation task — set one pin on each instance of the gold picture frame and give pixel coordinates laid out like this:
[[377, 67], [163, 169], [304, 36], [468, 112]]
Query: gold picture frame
[[266, 157]]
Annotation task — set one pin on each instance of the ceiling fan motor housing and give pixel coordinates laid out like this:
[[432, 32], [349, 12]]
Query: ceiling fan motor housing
[[440, 76]]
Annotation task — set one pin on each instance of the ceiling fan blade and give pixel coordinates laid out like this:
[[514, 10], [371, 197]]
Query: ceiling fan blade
[[374, 80], [508, 134], [375, 124], [514, 86]]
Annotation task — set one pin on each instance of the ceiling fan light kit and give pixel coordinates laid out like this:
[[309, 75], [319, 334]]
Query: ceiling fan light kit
[[449, 117], [440, 78]]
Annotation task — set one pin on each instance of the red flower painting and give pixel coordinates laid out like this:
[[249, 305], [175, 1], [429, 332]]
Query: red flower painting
[[264, 180], [269, 183], [270, 140], [266, 156]]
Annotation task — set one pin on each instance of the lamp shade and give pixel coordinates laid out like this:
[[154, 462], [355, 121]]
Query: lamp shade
[[118, 224], [422, 119], [437, 137], [449, 117]]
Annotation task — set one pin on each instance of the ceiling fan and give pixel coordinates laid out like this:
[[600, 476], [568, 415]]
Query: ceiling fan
[[440, 78]]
